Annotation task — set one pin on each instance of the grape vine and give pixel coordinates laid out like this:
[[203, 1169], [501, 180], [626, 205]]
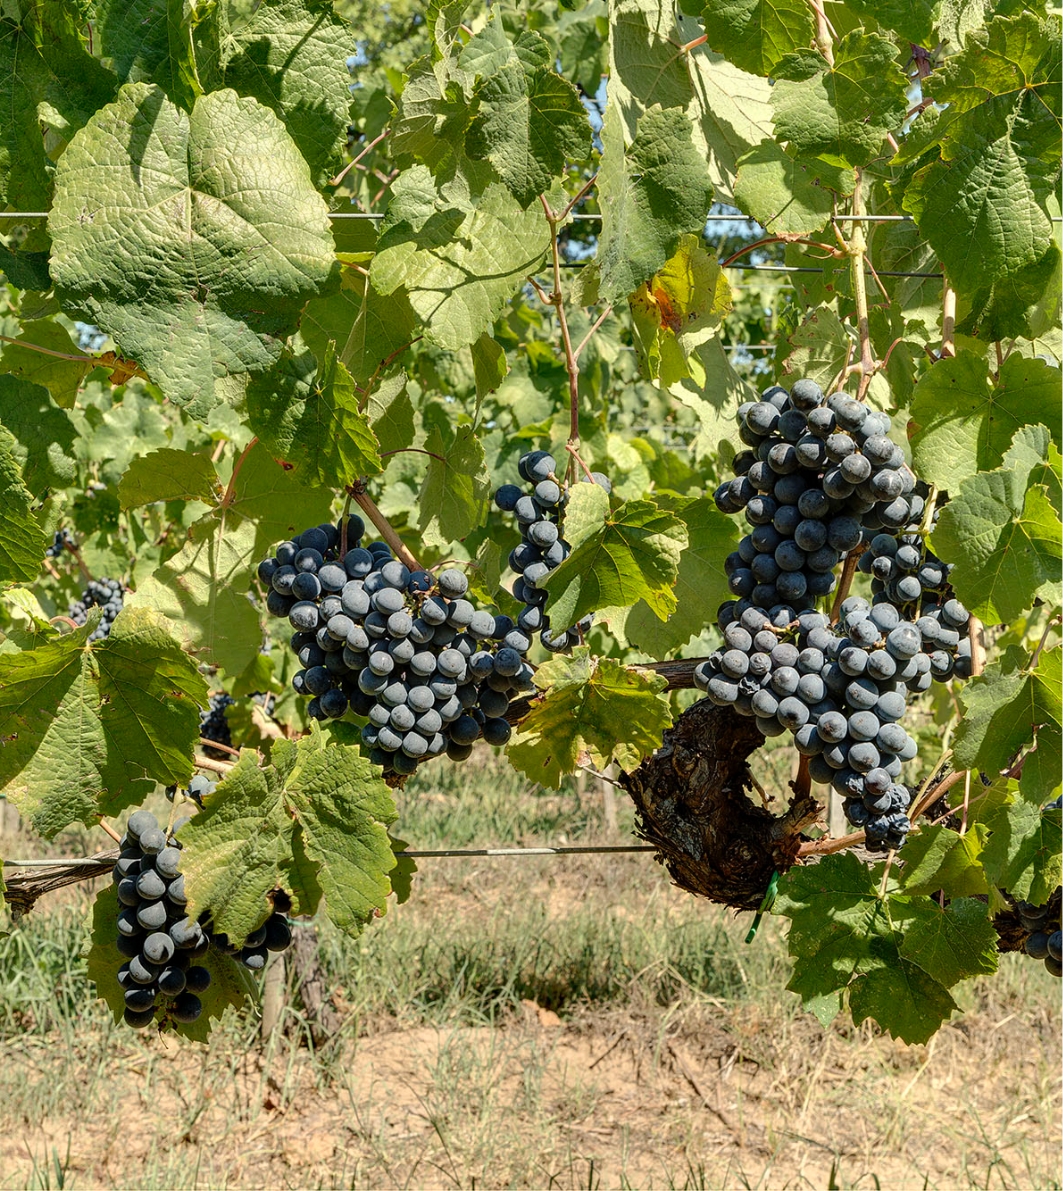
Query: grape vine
[[435, 435]]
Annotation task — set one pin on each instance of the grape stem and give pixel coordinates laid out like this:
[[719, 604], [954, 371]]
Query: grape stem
[[201, 762], [214, 744], [230, 491], [948, 319], [846, 581], [110, 830], [835, 252], [976, 634], [368, 506], [64, 620], [343, 526], [857, 256], [557, 300], [354, 161]]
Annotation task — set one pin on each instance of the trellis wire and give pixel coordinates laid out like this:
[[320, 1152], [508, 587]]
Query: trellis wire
[[410, 853], [583, 216]]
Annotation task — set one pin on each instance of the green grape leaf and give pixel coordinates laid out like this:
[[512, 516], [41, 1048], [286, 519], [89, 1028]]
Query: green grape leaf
[[460, 262], [914, 20], [61, 377], [308, 414], [646, 66], [313, 822], [584, 49], [457, 485], [369, 330], [233, 252], [789, 196], [202, 590], [617, 559], [21, 541], [1001, 533], [91, 727], [847, 941], [230, 982], [529, 124], [650, 195], [42, 70], [25, 269], [391, 414], [167, 42], [676, 311], [1023, 304], [715, 401], [591, 709], [44, 435], [701, 584], [489, 365], [1022, 854], [955, 943], [1010, 707], [167, 474], [995, 152], [820, 348], [963, 424], [936, 857], [757, 34], [843, 112], [280, 504], [289, 55]]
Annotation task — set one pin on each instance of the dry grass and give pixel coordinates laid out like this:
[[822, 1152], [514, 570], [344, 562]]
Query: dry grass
[[572, 1023]]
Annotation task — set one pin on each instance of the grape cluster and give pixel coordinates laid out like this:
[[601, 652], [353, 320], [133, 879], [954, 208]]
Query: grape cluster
[[60, 542], [403, 648], [199, 788], [542, 548], [99, 593], [214, 726], [275, 934], [1044, 940], [821, 480], [159, 942]]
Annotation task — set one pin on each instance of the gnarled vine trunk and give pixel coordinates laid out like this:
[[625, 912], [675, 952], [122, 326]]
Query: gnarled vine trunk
[[692, 806]]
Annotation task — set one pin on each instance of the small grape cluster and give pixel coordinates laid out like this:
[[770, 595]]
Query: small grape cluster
[[542, 548], [275, 934], [99, 593], [1044, 940], [403, 648], [823, 480], [199, 787], [60, 542], [214, 726], [156, 937]]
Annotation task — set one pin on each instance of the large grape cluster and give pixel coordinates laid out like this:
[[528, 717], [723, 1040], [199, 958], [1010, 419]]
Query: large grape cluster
[[542, 548], [822, 480], [405, 649], [214, 726], [107, 594], [159, 942]]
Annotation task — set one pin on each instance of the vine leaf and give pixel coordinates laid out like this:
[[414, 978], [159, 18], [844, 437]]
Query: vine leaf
[[367, 327], [650, 195], [279, 503], [821, 347], [848, 943], [313, 822], [993, 152], [914, 20], [700, 581], [289, 55], [230, 982], [843, 112], [789, 196], [457, 484], [91, 727], [965, 424], [1022, 854], [459, 258], [1001, 531], [308, 414], [594, 709], [955, 943], [617, 559], [756, 35], [62, 378], [1009, 708], [936, 857], [233, 253], [167, 474], [202, 590], [44, 446], [21, 541], [529, 122]]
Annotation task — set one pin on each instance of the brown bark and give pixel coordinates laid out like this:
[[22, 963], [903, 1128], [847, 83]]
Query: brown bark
[[692, 806]]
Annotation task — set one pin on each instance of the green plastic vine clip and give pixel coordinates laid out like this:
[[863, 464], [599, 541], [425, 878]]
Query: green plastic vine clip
[[765, 906]]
